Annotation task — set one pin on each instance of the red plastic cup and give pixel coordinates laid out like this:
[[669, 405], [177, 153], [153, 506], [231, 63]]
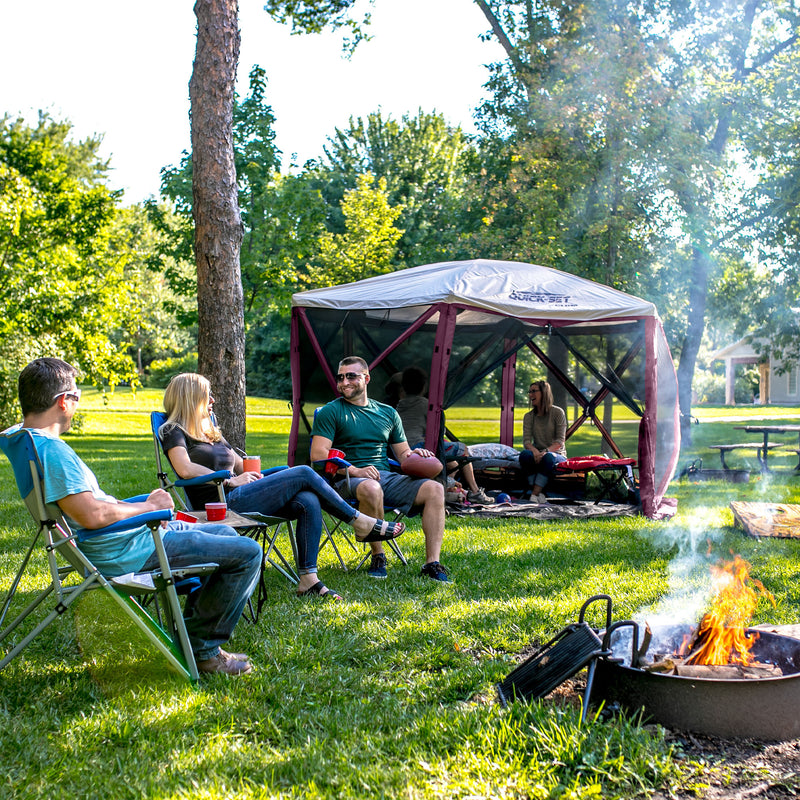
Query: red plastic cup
[[331, 468], [251, 463], [215, 512], [184, 517]]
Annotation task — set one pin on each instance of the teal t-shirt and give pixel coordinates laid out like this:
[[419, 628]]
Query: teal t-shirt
[[364, 433], [65, 474]]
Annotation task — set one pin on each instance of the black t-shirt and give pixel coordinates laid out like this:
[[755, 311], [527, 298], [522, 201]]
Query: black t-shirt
[[214, 455]]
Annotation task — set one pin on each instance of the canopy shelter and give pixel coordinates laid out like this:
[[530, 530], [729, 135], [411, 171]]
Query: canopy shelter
[[603, 350]]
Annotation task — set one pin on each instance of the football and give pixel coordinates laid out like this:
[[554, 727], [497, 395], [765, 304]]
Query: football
[[420, 467]]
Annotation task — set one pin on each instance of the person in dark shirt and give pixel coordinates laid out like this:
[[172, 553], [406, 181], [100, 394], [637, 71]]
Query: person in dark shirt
[[195, 446], [413, 410]]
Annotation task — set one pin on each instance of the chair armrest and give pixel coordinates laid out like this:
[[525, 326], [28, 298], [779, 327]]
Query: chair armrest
[[139, 498], [323, 462], [273, 470], [211, 477], [162, 515]]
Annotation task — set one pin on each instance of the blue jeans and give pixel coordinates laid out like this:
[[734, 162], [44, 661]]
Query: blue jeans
[[211, 612], [295, 493], [539, 474]]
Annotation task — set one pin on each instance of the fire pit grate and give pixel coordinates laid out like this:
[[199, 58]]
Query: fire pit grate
[[559, 659]]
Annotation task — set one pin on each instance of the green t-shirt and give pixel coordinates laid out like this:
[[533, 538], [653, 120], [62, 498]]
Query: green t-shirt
[[364, 433]]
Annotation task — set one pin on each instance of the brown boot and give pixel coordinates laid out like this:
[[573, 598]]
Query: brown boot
[[227, 663]]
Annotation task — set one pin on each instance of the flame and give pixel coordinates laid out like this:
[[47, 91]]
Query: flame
[[721, 637]]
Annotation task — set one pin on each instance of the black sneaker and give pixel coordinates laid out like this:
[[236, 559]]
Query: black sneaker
[[377, 567], [436, 571]]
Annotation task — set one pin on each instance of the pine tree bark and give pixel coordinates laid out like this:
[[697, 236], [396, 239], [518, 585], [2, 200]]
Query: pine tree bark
[[218, 224]]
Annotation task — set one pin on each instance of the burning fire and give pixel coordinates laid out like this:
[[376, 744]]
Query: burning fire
[[720, 638]]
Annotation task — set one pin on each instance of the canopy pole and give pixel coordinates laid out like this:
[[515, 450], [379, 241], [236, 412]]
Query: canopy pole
[[508, 383], [440, 363], [647, 426], [294, 360]]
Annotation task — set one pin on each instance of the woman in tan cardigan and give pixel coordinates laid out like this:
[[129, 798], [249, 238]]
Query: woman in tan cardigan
[[544, 431]]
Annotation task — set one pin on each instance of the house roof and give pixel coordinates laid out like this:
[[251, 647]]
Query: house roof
[[741, 349]]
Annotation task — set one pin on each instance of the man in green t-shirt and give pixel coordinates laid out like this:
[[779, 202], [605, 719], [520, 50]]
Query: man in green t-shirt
[[364, 430]]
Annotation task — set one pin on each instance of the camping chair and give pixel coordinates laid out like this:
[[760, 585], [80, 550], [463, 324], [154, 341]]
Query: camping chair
[[261, 527], [336, 525], [65, 559], [614, 476]]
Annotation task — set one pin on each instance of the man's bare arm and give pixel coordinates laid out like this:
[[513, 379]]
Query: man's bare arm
[[91, 513]]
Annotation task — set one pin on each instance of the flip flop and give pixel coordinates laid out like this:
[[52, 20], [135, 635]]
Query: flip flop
[[382, 531], [316, 590]]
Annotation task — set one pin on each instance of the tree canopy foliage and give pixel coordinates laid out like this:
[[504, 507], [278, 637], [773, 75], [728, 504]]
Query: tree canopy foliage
[[652, 147], [63, 285], [623, 134]]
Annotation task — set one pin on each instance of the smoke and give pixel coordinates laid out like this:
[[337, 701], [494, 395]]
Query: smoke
[[689, 585], [688, 581]]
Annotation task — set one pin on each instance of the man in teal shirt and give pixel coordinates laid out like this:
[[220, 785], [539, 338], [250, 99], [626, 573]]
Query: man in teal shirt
[[364, 430]]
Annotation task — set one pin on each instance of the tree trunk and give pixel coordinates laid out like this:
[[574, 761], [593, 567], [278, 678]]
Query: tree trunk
[[695, 325], [218, 225]]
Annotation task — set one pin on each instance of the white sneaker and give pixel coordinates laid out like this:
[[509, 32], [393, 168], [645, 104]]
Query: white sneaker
[[538, 498]]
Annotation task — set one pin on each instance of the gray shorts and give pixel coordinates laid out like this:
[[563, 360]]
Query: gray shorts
[[399, 491]]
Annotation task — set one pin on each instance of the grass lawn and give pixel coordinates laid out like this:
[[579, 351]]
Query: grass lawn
[[389, 694]]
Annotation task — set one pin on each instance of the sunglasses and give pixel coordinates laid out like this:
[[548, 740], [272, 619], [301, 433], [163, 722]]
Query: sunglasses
[[70, 394], [348, 376]]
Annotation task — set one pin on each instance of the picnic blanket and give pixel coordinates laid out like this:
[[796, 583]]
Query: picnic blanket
[[575, 509], [778, 520]]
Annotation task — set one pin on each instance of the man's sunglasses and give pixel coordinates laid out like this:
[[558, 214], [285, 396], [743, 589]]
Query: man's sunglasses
[[349, 376], [70, 394]]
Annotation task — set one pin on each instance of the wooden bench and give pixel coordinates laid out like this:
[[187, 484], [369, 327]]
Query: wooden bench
[[757, 446], [797, 453]]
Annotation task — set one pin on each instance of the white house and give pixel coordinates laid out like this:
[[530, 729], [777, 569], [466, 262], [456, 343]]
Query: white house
[[773, 389]]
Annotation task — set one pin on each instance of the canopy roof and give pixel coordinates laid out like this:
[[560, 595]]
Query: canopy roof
[[465, 320], [510, 288]]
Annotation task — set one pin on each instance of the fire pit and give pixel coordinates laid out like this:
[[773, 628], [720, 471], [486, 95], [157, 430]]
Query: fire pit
[[719, 677], [765, 708]]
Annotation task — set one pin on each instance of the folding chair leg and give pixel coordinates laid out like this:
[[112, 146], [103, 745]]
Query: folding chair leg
[[174, 612], [329, 538], [15, 583], [63, 604], [393, 546], [267, 537]]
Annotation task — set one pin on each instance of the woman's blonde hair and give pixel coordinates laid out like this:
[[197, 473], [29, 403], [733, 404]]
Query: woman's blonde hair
[[545, 398], [187, 403]]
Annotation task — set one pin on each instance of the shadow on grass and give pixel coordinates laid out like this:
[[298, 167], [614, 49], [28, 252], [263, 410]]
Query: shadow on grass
[[117, 652]]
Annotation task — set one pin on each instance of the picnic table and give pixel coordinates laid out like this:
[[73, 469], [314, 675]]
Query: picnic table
[[766, 431], [760, 449]]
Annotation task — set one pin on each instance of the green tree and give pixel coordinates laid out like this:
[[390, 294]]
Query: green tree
[[368, 245], [149, 328], [60, 282], [423, 161], [657, 196], [570, 137]]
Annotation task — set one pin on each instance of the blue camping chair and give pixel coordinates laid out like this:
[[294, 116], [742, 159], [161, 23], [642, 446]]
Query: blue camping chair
[[263, 528], [66, 560]]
